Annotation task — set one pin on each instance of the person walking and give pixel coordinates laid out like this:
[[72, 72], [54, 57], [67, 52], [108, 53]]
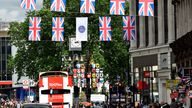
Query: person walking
[[173, 104], [76, 97]]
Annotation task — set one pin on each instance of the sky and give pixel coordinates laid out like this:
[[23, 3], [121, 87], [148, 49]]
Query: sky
[[10, 10]]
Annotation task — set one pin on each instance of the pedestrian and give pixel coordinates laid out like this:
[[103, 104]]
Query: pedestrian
[[145, 105], [180, 105], [173, 104], [165, 105], [76, 97]]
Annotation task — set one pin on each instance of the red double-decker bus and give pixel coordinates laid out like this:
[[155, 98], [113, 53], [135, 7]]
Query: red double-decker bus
[[54, 89]]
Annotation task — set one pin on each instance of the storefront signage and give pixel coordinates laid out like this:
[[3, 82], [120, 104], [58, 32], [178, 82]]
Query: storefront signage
[[146, 74], [171, 83]]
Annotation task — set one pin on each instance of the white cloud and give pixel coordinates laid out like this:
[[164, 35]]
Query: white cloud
[[11, 15], [10, 10]]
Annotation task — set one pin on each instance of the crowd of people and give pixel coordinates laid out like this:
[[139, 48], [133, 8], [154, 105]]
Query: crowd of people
[[173, 104], [10, 103]]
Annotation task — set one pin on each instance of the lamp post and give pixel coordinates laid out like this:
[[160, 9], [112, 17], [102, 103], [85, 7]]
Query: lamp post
[[118, 89], [152, 88]]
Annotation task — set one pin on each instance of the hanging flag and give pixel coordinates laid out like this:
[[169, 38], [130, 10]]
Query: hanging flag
[[87, 6], [117, 7], [81, 28], [57, 29], [28, 4], [146, 7], [58, 5], [105, 28], [129, 28], [34, 28]]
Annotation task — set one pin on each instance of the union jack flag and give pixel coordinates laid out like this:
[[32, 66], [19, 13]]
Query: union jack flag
[[117, 7], [58, 5], [87, 6], [105, 28], [34, 28], [28, 4], [57, 29], [146, 7], [129, 28]]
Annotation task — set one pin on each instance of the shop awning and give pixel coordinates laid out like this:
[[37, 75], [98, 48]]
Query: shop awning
[[6, 82]]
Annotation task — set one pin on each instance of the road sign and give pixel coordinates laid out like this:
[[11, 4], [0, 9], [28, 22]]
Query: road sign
[[97, 65], [26, 84], [97, 98]]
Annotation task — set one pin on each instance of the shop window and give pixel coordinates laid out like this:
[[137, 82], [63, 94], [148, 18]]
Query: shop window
[[187, 63]]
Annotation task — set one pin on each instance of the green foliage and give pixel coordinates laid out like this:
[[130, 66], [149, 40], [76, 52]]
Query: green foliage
[[45, 55]]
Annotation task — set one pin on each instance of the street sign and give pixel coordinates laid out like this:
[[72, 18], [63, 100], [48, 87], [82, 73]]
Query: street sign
[[97, 65], [74, 45], [97, 98], [97, 70], [26, 84]]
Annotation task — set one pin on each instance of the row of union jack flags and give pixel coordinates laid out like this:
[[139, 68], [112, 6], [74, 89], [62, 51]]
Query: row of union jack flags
[[117, 7], [105, 33]]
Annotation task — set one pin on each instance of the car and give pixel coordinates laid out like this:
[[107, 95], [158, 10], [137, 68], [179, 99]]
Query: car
[[36, 105]]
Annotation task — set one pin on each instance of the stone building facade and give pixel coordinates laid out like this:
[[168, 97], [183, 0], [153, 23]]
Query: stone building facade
[[151, 51], [182, 46]]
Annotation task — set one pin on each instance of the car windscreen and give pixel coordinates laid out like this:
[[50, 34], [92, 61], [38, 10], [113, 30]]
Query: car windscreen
[[36, 106]]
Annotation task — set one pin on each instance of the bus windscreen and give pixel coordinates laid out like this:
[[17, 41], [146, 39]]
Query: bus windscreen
[[56, 91], [53, 74]]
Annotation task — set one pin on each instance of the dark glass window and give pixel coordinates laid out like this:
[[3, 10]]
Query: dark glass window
[[137, 25], [3, 49], [9, 77], [4, 76], [8, 49], [146, 31], [191, 62], [137, 32], [166, 20], [187, 63], [55, 91], [156, 22], [3, 65]]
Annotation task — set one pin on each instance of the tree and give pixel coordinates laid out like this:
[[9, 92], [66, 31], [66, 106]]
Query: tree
[[34, 57]]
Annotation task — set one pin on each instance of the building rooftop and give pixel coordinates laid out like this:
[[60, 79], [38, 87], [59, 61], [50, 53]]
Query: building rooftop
[[4, 26]]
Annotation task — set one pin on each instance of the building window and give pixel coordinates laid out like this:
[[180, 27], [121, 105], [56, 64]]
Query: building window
[[147, 31], [156, 22], [5, 51], [187, 63], [191, 62], [8, 49], [166, 20], [137, 25]]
